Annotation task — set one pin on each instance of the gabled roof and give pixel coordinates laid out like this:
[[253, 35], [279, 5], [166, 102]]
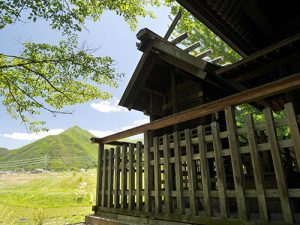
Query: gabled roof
[[248, 25], [160, 57]]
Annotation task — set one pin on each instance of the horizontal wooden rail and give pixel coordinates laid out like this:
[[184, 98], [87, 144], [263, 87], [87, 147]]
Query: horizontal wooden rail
[[251, 95]]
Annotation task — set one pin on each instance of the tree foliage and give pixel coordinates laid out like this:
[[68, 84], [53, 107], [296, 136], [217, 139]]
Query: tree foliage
[[198, 32], [50, 77]]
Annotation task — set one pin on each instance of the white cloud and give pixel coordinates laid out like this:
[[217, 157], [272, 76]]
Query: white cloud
[[101, 133], [32, 136], [136, 123], [108, 106]]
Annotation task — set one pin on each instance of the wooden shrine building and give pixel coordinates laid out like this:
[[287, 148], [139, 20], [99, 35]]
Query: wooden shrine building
[[196, 164]]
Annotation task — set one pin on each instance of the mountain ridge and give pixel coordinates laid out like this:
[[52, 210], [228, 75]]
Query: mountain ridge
[[71, 149]]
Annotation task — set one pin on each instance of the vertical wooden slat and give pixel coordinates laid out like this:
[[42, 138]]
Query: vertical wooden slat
[[99, 175], [117, 177], [205, 175], [103, 178], [292, 121], [194, 207], [167, 167], [110, 178], [131, 176], [123, 177], [178, 174], [236, 163], [257, 170], [157, 176], [220, 170], [147, 172], [138, 175], [278, 168]]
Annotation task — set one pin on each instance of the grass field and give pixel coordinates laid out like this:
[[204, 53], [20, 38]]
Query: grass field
[[47, 198]]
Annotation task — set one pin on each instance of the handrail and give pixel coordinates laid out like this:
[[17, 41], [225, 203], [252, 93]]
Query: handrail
[[251, 95]]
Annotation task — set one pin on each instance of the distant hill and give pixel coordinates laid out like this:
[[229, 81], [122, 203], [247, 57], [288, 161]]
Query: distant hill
[[3, 151], [71, 149]]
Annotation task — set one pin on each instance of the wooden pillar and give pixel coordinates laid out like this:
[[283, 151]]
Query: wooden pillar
[[205, 174], [157, 176], [293, 124], [178, 174], [147, 173], [278, 168], [117, 177], [123, 177], [167, 173], [194, 207], [104, 184], [138, 175], [220, 170], [99, 174], [236, 163], [257, 170], [110, 178]]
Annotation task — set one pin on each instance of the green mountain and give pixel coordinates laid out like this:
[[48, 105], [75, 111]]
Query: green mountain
[[3, 151], [71, 149]]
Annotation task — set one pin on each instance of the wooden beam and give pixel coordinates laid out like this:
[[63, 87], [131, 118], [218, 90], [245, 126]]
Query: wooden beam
[[179, 39], [173, 25], [254, 94], [192, 47], [216, 60], [204, 54]]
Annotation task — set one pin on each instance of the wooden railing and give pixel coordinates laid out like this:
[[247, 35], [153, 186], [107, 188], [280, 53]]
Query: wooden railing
[[206, 175]]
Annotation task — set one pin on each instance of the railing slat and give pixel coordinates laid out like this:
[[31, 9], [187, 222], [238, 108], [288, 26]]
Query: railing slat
[[292, 121], [138, 175], [123, 177], [178, 175], [147, 172], [99, 177], [157, 176], [220, 170], [131, 177], [167, 173], [117, 177], [103, 178], [236, 163], [205, 175], [194, 207], [279, 172], [257, 169], [110, 178]]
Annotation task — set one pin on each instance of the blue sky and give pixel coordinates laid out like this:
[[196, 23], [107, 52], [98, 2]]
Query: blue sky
[[113, 37]]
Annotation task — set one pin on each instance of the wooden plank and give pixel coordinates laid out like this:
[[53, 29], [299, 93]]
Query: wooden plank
[[179, 39], [173, 25], [236, 163], [99, 172], [157, 176], [167, 173], [251, 95], [131, 177], [278, 168], [194, 207], [292, 122], [204, 54], [104, 185], [205, 175], [110, 178], [220, 170], [217, 60], [138, 176], [192, 47], [178, 174], [117, 177], [123, 177], [257, 170], [147, 172]]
